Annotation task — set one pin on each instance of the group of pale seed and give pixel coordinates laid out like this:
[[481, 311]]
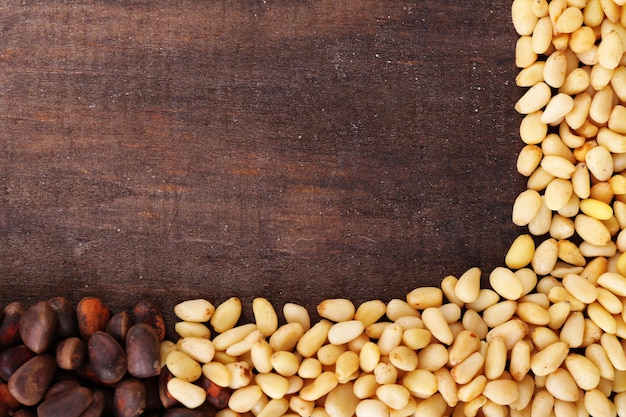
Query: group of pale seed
[[547, 339]]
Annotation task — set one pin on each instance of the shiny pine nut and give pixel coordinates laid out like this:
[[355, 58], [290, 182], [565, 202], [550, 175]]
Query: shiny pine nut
[[403, 358], [614, 282], [217, 373], [301, 406], [499, 313], [273, 385], [435, 321], [183, 366], [584, 372], [473, 389], [244, 399], [261, 354], [336, 309], [365, 386], [199, 310], [222, 341], [341, 401], [598, 405], [524, 19], [397, 308], [506, 283], [226, 315], [501, 391], [416, 338], [192, 329], [345, 331], [395, 396], [370, 312], [372, 408], [188, 394], [425, 297], [313, 339], [447, 387], [432, 357], [286, 337], [542, 36], [298, 314], [573, 328], [320, 386], [466, 343], [420, 383], [535, 98], [549, 359]]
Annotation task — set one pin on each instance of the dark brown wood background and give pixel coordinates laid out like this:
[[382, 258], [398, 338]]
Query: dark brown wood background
[[296, 150]]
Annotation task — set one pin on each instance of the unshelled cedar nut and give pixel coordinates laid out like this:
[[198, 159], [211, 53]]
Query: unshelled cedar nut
[[10, 325], [29, 382], [38, 327], [184, 412], [107, 359], [71, 353], [7, 400], [67, 325], [60, 386], [216, 396], [92, 315], [12, 358], [145, 311], [143, 351], [118, 326], [97, 406], [69, 403], [130, 398]]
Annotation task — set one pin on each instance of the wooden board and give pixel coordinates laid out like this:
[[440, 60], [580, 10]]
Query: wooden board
[[295, 150]]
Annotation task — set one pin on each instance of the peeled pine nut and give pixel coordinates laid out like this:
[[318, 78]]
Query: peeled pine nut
[[188, 394], [199, 310], [338, 309], [226, 315]]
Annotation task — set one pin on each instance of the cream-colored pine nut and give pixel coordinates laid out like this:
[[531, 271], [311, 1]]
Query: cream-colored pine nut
[[466, 370], [530, 75], [542, 36], [610, 50], [286, 337], [602, 318], [612, 141], [243, 346], [613, 282], [486, 297], [524, 19], [365, 386], [468, 286], [370, 312], [347, 366], [336, 309], [344, 332], [617, 120], [186, 393], [534, 99], [416, 338], [584, 372], [562, 386], [592, 230], [512, 331], [448, 285], [301, 406], [519, 364], [432, 357], [529, 159], [545, 257], [403, 358], [341, 401], [312, 340], [261, 354], [618, 83], [392, 336], [581, 181], [222, 341], [597, 354], [555, 70], [298, 314], [192, 329], [533, 313], [600, 77], [573, 328], [244, 399], [328, 354], [568, 137], [501, 391], [466, 343], [579, 287], [558, 193], [319, 387], [240, 374], [447, 387], [601, 105], [541, 223], [165, 348], [369, 356], [598, 405], [495, 358], [425, 297], [285, 363], [265, 316], [385, 373], [451, 312], [570, 253], [373, 331], [372, 408], [274, 407], [182, 366], [579, 113], [582, 39], [569, 21], [614, 350], [543, 337], [506, 283], [217, 373], [618, 184], [435, 321], [395, 396], [558, 166], [609, 301], [473, 389], [397, 308], [575, 83], [499, 313], [421, 383], [198, 310], [562, 227], [198, 348], [310, 368], [559, 312], [572, 207], [273, 385], [539, 179], [549, 359], [226, 315]]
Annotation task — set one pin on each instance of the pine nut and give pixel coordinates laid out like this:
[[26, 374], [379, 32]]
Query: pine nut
[[226, 315], [336, 309], [369, 356], [295, 313], [437, 324], [425, 297], [584, 372], [275, 386], [548, 359], [319, 387], [501, 391], [506, 283], [188, 394], [199, 310], [341, 401], [244, 399], [286, 337], [345, 331], [420, 383], [370, 312]]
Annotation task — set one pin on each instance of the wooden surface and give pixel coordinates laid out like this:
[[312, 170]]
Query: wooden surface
[[296, 150]]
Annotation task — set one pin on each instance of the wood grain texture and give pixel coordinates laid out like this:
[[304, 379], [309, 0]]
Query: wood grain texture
[[296, 150]]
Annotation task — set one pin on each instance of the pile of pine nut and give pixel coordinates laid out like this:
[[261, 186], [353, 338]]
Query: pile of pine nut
[[547, 338]]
